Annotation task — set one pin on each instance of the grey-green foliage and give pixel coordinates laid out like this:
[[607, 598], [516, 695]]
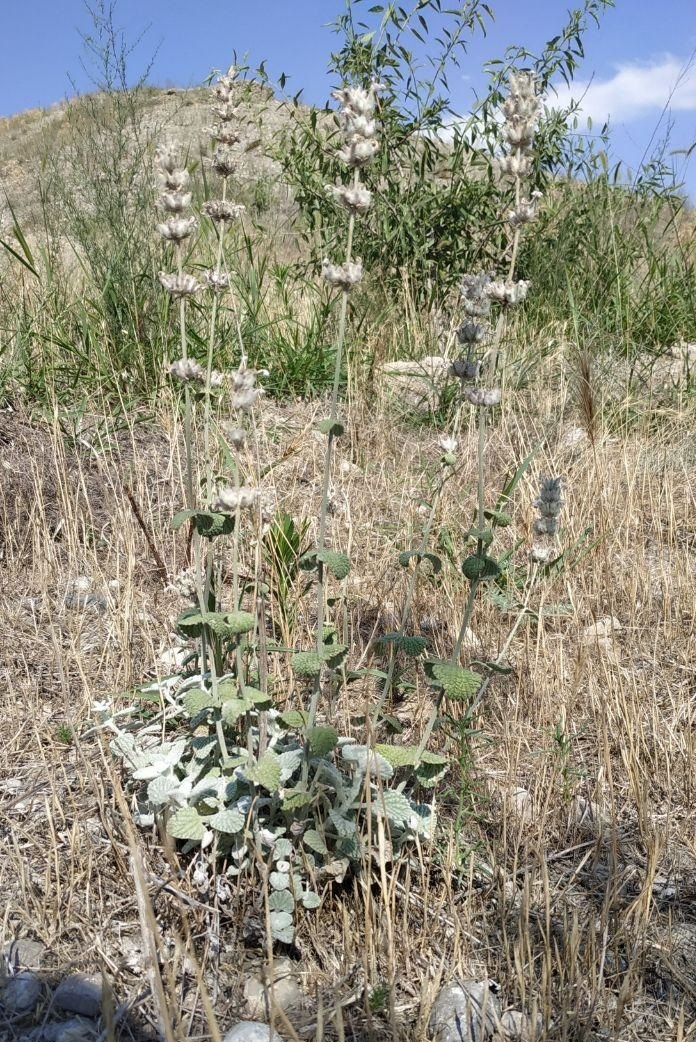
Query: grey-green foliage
[[300, 804]]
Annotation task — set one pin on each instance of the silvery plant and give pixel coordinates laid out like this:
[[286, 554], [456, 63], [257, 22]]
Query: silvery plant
[[248, 787]]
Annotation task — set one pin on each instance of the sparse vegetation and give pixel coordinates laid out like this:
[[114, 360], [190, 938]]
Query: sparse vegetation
[[348, 532]]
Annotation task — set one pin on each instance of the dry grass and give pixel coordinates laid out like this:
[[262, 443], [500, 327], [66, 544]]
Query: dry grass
[[579, 899]]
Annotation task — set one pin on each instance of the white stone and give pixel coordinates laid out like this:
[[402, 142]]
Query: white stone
[[284, 990], [79, 993], [465, 1011], [251, 1031]]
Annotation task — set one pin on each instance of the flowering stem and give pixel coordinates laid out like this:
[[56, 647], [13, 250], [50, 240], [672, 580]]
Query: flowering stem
[[188, 421], [410, 593], [321, 540]]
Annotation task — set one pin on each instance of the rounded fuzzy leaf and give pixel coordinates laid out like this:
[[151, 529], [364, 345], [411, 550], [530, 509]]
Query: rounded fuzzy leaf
[[322, 740], [457, 683], [429, 774], [306, 663], [367, 760], [233, 708], [267, 772], [238, 622], [210, 524], [196, 701], [483, 567], [161, 789], [282, 927], [295, 798], [229, 820], [186, 824], [333, 427], [281, 901], [399, 755], [279, 880], [393, 805], [405, 559], [190, 623], [314, 841], [295, 718], [337, 563], [498, 517], [335, 655], [345, 828], [261, 699], [310, 899], [410, 645]]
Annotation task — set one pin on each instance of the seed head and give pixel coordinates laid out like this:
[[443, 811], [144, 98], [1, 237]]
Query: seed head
[[525, 212], [549, 504], [221, 211], [471, 332], [342, 276], [230, 500], [223, 132], [465, 369], [508, 293], [236, 436], [216, 281], [480, 397], [177, 228], [224, 162], [516, 165], [179, 285], [356, 200], [244, 392], [188, 371], [174, 202], [448, 445], [170, 173], [475, 301]]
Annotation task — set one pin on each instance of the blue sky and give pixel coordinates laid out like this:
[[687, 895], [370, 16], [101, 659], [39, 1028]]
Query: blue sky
[[636, 65]]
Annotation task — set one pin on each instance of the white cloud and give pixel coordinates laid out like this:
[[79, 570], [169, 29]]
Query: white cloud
[[635, 90]]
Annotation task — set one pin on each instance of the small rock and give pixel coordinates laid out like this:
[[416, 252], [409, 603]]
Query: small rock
[[521, 805], [77, 1029], [521, 1027], [80, 994], [20, 994], [602, 630], [574, 437], [464, 1012], [251, 1031], [284, 990], [587, 816], [23, 954], [80, 594]]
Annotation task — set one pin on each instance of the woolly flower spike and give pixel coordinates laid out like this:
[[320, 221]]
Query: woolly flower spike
[[222, 211], [230, 500], [510, 293], [475, 302], [223, 87], [217, 281], [525, 211], [179, 285], [224, 162], [549, 504], [177, 228], [355, 200], [223, 133], [244, 393], [480, 397], [188, 371], [356, 122], [448, 445], [174, 202], [342, 276]]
